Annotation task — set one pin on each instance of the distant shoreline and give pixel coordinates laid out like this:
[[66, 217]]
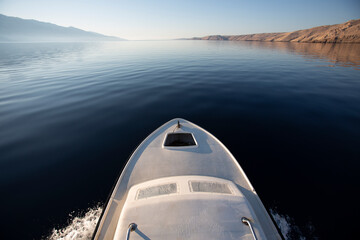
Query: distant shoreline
[[348, 32], [20, 30]]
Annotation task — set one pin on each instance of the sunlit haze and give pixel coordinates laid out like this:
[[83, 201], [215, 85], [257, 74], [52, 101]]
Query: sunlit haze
[[166, 19]]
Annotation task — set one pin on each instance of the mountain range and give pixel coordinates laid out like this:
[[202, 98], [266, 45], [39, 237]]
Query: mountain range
[[13, 29], [348, 32]]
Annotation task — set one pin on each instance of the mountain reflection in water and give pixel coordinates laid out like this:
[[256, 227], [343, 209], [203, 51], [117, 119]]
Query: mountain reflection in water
[[345, 55]]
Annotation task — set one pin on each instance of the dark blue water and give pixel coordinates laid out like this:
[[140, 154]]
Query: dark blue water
[[72, 113]]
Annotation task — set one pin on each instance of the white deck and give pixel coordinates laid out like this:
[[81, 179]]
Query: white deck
[[184, 215]]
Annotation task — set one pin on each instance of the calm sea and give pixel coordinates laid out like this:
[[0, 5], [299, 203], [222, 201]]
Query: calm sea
[[72, 113]]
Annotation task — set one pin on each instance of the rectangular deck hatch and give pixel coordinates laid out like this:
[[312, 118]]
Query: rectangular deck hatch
[[212, 187], [157, 190], [179, 140]]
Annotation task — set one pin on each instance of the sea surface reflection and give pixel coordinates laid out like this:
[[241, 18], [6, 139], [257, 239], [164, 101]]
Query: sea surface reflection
[[346, 55], [72, 113]]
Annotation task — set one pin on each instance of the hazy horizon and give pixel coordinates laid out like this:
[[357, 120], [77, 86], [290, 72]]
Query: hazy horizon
[[156, 20]]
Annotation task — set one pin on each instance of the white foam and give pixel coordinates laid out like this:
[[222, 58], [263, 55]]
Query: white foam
[[287, 226], [80, 228]]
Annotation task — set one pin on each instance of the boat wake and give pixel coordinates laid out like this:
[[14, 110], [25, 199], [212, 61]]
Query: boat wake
[[80, 227], [289, 229]]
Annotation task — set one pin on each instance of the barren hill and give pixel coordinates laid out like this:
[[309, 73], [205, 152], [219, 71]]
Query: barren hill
[[348, 32]]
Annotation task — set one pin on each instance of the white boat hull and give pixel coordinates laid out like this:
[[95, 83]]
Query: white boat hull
[[185, 215]]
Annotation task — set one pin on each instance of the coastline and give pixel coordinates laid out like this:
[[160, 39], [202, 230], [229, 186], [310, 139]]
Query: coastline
[[348, 32]]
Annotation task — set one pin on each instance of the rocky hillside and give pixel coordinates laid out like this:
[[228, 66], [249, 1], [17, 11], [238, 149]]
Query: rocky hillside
[[348, 32]]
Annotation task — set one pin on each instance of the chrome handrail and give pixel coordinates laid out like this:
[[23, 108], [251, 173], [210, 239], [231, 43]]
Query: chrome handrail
[[132, 227], [247, 222]]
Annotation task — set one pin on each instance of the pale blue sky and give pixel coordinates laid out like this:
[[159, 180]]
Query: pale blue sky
[[167, 19]]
